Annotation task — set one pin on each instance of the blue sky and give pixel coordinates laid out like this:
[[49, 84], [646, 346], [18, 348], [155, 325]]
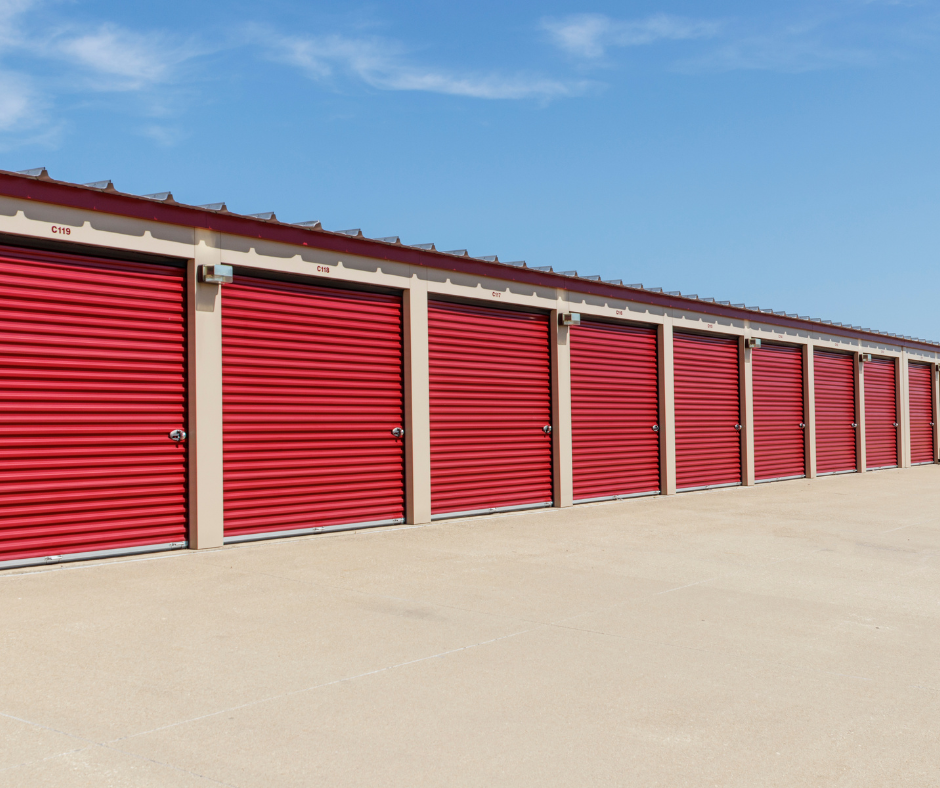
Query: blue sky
[[780, 154]]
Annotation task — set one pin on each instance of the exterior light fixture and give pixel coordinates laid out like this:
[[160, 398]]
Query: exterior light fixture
[[216, 274], [569, 319], [752, 342], [863, 357]]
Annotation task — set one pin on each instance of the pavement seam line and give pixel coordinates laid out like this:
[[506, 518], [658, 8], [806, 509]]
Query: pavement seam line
[[92, 744], [331, 683]]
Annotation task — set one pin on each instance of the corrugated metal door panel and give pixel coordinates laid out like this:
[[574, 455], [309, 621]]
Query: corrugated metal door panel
[[777, 376], [614, 406], [881, 414], [312, 389], [92, 381], [708, 406], [490, 399], [922, 415], [834, 382]]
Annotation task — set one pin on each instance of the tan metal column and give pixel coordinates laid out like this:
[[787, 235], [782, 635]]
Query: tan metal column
[[747, 411], [903, 407], [563, 478], [860, 413], [667, 409], [204, 369], [417, 402], [809, 409], [935, 391]]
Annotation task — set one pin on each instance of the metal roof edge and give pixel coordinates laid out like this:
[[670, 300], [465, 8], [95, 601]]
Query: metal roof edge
[[51, 191]]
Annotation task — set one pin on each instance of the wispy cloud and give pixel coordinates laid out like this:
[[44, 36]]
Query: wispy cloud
[[384, 65], [791, 52], [591, 35], [118, 59]]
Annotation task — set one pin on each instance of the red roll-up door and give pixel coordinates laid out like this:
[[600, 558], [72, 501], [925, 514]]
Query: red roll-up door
[[834, 383], [881, 414], [490, 400], [614, 408], [922, 415], [708, 411], [312, 389], [91, 384], [777, 376]]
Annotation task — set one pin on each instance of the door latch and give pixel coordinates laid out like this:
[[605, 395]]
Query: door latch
[[177, 436], [547, 429], [398, 432], [738, 427]]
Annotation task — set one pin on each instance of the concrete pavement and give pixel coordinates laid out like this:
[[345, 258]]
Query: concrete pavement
[[781, 635]]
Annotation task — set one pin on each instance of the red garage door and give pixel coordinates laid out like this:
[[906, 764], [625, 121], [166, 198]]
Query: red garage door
[[312, 390], [708, 411], [490, 403], [881, 414], [834, 379], [777, 375], [614, 411], [922, 415], [92, 383]]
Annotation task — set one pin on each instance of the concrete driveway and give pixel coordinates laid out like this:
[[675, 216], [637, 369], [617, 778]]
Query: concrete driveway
[[782, 635]]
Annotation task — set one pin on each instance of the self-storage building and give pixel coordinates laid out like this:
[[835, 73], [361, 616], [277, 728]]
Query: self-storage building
[[179, 376]]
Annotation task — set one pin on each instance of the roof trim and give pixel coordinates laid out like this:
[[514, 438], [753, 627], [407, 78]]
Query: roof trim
[[46, 190]]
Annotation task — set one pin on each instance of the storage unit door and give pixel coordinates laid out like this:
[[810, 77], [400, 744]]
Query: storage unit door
[[834, 383], [92, 383], [708, 411], [614, 410], [312, 391], [490, 403], [922, 415], [777, 376], [881, 414]]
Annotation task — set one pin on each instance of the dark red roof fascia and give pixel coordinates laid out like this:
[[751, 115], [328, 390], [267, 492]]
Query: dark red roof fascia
[[90, 199]]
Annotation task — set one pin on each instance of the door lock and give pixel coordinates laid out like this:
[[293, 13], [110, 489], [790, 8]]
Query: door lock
[[738, 427], [177, 436], [398, 432], [802, 426], [547, 429], [655, 428]]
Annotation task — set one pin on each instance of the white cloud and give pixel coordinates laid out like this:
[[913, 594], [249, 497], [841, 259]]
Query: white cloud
[[382, 64], [19, 106], [590, 35], [127, 59], [784, 53]]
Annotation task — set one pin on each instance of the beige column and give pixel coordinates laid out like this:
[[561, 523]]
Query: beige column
[[746, 378], [935, 417], [809, 409], [667, 409], [204, 329], [902, 392], [417, 402], [563, 480], [860, 413]]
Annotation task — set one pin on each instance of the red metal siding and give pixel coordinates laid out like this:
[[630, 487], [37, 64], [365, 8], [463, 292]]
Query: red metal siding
[[92, 382], [881, 414], [490, 399], [708, 406], [614, 406], [312, 389], [777, 376], [922, 415], [834, 383]]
